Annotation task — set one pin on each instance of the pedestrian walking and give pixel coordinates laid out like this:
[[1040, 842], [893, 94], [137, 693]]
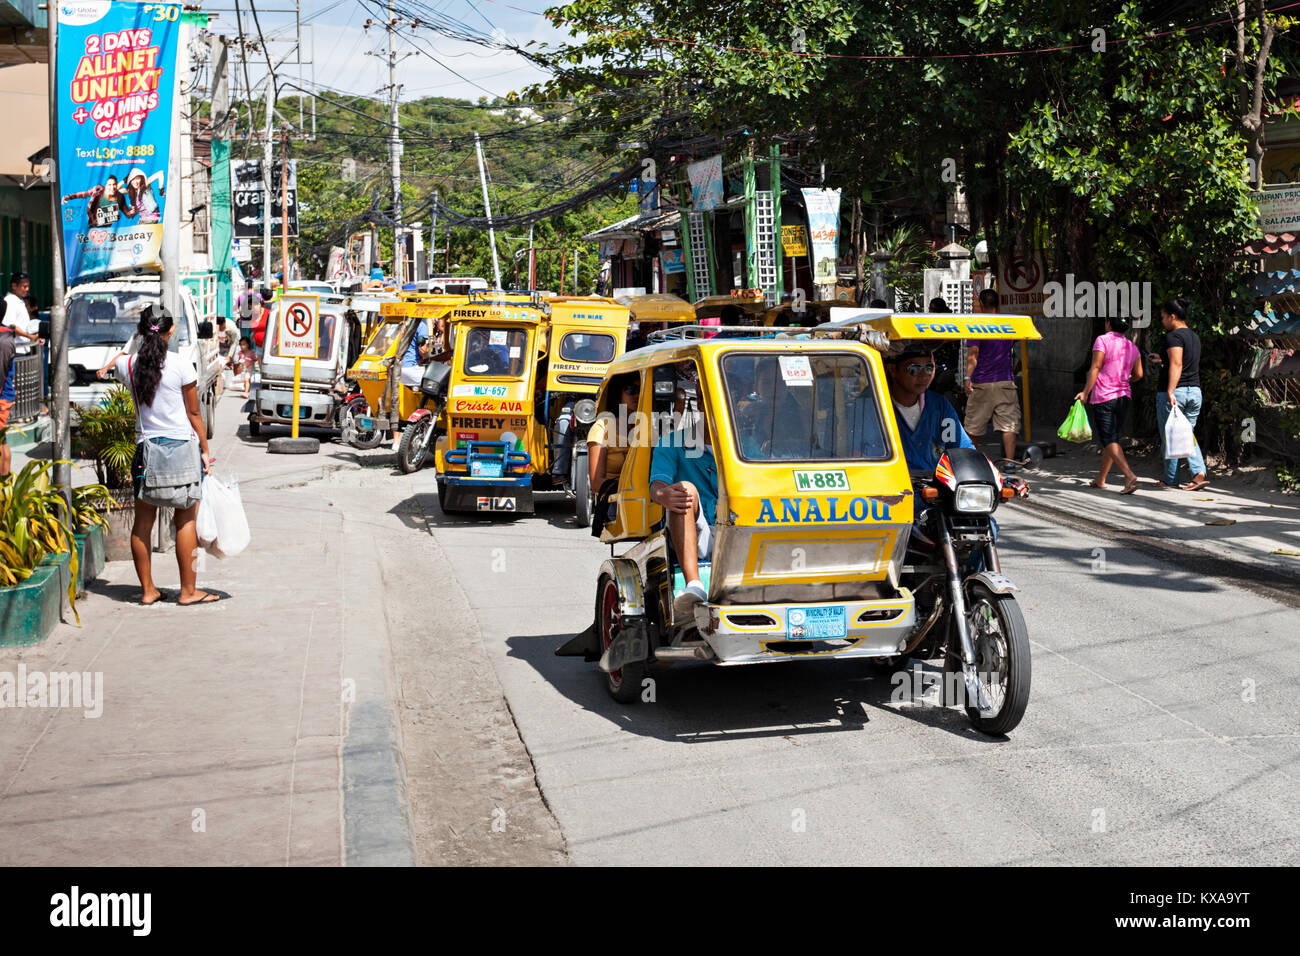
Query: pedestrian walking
[[991, 387], [247, 307], [171, 452], [244, 362], [1179, 361], [225, 348], [1116, 365]]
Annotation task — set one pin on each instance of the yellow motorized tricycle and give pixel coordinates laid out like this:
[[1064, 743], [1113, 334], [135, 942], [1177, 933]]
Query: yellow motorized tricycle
[[765, 512], [386, 376], [522, 378]]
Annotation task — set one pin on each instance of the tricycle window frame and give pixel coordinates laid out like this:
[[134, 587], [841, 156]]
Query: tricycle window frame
[[525, 358], [569, 333], [891, 452]]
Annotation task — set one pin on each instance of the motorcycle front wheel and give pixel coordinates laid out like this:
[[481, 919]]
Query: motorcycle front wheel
[[1001, 640], [414, 447]]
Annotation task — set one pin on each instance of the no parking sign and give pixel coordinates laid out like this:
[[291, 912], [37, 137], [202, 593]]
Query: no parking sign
[[299, 326]]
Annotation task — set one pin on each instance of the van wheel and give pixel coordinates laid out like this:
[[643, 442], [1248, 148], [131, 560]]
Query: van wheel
[[254, 428], [624, 684]]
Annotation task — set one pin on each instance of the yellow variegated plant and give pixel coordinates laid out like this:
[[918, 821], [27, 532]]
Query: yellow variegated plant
[[33, 526]]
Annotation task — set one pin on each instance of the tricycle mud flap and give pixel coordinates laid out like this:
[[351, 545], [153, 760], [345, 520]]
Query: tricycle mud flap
[[629, 646]]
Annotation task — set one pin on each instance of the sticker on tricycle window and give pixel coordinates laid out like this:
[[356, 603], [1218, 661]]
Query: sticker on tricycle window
[[821, 479], [796, 370]]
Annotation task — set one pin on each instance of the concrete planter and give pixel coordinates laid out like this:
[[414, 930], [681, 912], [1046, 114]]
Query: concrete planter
[[117, 540], [90, 556], [29, 611]]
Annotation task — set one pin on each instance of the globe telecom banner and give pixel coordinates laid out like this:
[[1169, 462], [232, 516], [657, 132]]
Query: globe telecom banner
[[116, 79]]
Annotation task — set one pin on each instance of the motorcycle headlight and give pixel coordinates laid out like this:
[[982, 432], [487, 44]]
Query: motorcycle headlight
[[584, 410], [975, 499]]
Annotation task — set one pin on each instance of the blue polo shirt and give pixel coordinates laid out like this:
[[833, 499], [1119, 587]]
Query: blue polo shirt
[[925, 446], [674, 460], [412, 356]]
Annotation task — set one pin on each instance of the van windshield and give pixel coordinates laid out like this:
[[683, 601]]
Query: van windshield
[[110, 318], [804, 407]]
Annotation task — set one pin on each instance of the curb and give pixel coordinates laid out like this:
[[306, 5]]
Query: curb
[[1285, 577]]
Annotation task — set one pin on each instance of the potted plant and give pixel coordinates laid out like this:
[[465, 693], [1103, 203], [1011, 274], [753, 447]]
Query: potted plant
[[105, 434], [37, 551]]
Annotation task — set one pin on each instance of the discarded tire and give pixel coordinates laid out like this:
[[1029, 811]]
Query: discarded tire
[[293, 446]]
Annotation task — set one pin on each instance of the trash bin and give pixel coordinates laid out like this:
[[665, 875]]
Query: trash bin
[[27, 387]]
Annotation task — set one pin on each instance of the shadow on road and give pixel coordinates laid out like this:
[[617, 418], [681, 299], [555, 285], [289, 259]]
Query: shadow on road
[[703, 703]]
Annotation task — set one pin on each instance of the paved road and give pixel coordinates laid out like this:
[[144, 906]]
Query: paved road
[[1162, 727]]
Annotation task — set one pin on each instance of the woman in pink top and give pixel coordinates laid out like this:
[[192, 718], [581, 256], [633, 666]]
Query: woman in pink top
[[1116, 365]]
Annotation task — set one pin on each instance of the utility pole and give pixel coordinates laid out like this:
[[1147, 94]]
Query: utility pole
[[487, 206], [394, 135], [532, 261], [284, 211], [268, 144], [59, 406], [395, 151], [433, 233]]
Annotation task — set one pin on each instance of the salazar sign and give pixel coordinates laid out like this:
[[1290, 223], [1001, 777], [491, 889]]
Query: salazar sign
[[115, 80]]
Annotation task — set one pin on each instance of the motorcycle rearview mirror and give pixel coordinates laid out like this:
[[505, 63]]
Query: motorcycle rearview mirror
[[435, 378]]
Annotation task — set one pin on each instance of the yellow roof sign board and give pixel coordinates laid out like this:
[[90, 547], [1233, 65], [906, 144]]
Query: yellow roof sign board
[[949, 326]]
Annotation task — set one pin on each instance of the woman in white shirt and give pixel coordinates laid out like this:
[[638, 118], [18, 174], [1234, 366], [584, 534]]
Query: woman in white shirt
[[167, 471]]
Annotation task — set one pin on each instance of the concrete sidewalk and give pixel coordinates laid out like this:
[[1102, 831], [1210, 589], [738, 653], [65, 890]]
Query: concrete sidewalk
[[1233, 519], [256, 731]]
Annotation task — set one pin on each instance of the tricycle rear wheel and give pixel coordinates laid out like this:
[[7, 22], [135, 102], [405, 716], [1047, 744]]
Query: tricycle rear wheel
[[624, 684]]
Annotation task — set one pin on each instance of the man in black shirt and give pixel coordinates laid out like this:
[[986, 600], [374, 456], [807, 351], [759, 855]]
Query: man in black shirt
[[1180, 383]]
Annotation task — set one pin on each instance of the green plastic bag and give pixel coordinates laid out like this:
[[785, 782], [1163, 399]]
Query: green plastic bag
[[1075, 427]]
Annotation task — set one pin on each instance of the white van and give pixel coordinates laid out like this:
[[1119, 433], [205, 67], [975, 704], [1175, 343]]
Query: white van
[[102, 319]]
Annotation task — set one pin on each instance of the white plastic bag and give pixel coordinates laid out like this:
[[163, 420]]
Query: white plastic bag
[[1179, 440], [206, 520], [226, 511]]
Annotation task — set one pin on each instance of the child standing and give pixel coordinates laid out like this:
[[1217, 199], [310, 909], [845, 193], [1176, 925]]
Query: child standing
[[244, 364]]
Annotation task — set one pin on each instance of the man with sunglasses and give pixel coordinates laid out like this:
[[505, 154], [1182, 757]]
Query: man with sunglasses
[[927, 423]]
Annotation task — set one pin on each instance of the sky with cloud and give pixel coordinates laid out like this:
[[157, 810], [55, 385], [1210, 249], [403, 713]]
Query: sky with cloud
[[438, 65]]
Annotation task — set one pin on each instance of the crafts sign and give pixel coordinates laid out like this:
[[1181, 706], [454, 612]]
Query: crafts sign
[[115, 80], [298, 331]]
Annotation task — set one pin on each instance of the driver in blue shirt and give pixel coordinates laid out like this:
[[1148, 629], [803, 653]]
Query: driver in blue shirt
[[927, 423]]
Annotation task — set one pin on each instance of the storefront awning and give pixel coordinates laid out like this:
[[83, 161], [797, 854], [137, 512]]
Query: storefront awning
[[634, 227]]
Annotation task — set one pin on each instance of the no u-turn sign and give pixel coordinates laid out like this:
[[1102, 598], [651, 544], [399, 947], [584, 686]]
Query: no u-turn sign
[[299, 326]]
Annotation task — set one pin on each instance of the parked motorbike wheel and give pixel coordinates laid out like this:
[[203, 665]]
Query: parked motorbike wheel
[[1001, 641], [357, 436], [624, 684], [414, 447], [442, 496], [583, 505]]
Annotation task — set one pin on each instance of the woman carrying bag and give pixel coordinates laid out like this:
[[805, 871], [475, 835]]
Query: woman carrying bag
[[167, 470], [1116, 366]]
